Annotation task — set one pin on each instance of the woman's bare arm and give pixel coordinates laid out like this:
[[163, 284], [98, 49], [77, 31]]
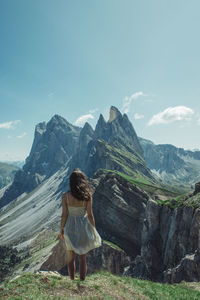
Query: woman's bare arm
[[64, 214], [90, 212]]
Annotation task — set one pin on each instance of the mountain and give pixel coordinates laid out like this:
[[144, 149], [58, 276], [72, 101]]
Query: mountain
[[58, 147], [173, 165], [118, 129], [7, 173], [170, 248], [113, 145], [53, 146], [132, 208]]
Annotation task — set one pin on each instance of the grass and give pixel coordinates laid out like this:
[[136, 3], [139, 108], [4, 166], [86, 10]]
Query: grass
[[127, 159], [102, 285], [193, 201], [165, 196], [145, 184], [112, 245]]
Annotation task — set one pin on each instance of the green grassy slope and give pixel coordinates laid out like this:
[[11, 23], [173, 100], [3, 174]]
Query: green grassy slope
[[131, 166], [155, 190], [165, 196], [101, 285], [124, 158]]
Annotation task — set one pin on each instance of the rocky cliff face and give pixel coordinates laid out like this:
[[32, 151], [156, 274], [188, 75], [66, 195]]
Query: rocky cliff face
[[53, 146], [119, 209], [170, 244], [118, 129], [172, 164], [54, 143], [106, 257]]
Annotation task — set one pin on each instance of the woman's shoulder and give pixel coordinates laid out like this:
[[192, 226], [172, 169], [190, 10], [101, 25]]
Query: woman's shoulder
[[65, 196]]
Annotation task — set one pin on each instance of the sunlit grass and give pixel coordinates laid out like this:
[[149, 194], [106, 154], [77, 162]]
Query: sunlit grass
[[100, 285]]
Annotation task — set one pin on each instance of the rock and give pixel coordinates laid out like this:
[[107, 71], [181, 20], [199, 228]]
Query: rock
[[108, 258], [57, 258], [197, 188], [113, 145], [187, 270], [165, 250], [105, 257], [83, 158], [118, 128], [119, 208], [54, 144]]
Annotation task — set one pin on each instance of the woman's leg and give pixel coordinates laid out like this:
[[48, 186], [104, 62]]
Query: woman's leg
[[71, 263], [82, 266]]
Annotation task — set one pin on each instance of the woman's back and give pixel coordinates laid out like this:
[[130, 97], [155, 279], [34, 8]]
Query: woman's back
[[72, 201], [77, 222], [81, 236]]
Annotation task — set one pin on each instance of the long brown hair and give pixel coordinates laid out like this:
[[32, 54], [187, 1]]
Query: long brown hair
[[79, 186]]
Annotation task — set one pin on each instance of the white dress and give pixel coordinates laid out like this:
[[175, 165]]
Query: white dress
[[79, 233]]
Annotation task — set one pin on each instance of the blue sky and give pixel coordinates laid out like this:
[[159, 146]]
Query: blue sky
[[77, 58]]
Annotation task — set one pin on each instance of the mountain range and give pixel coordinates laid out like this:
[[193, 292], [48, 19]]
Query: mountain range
[[173, 165], [131, 179]]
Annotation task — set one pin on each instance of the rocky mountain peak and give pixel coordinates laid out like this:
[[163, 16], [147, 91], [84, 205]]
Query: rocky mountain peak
[[58, 121], [53, 146], [114, 114], [101, 127], [101, 122], [87, 129], [117, 129]]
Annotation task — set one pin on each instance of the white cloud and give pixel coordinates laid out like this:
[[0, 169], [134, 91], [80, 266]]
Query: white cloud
[[128, 100], [82, 119], [22, 135], [138, 116], [9, 125], [198, 121], [92, 111], [172, 114]]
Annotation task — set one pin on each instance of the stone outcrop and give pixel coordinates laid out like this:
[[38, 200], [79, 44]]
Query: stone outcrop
[[105, 257], [187, 270], [170, 244], [57, 259], [197, 188], [119, 209]]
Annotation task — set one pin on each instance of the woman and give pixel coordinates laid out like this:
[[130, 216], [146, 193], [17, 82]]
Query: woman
[[77, 223]]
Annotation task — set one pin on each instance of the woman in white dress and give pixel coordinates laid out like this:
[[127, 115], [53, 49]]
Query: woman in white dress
[[78, 224]]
